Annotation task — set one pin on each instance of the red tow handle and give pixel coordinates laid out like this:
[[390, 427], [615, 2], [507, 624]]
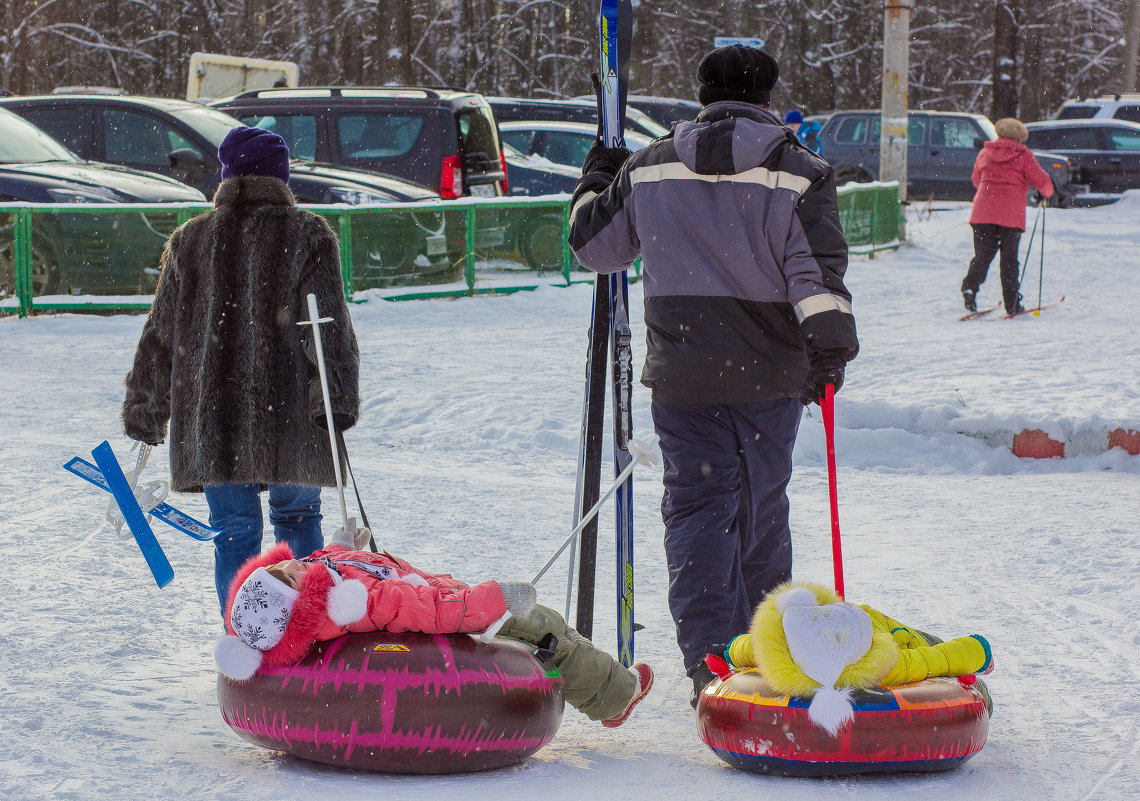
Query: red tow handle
[[827, 405]]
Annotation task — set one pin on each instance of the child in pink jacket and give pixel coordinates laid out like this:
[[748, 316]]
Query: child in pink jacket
[[1003, 172], [279, 607]]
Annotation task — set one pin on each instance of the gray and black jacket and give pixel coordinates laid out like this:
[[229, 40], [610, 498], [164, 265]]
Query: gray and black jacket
[[743, 257]]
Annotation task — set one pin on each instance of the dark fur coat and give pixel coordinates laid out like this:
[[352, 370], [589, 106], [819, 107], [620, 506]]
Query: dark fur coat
[[221, 355]]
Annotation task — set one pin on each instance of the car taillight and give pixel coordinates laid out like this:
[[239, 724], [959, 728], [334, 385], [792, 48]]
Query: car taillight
[[503, 164], [451, 178]]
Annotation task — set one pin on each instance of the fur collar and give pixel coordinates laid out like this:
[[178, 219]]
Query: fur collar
[[249, 189]]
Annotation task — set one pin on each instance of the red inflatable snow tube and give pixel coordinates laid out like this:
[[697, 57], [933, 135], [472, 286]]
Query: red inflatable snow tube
[[401, 703], [932, 725]]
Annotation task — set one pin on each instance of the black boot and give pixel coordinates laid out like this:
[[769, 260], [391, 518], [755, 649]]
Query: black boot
[[702, 677], [1015, 307], [968, 297]]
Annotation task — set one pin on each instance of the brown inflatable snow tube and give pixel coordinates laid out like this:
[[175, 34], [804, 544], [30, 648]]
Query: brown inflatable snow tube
[[401, 703]]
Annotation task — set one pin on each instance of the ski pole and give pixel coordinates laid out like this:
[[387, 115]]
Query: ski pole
[[1029, 249], [315, 320], [827, 405], [643, 454], [1041, 271]]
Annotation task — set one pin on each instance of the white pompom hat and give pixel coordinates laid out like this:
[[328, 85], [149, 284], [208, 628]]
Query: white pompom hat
[[271, 623], [809, 643]]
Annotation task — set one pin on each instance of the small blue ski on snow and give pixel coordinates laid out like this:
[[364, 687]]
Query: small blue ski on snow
[[164, 511], [133, 514]]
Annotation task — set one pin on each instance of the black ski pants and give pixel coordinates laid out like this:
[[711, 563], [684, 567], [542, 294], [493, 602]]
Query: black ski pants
[[988, 240], [727, 538]]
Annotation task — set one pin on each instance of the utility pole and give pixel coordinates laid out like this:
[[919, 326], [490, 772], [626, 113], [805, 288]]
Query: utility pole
[[1131, 37], [896, 68], [1006, 29]]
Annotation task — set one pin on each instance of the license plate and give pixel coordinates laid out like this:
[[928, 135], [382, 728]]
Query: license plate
[[483, 190], [436, 245]]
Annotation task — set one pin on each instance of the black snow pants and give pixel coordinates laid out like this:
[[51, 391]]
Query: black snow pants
[[988, 240], [727, 538]]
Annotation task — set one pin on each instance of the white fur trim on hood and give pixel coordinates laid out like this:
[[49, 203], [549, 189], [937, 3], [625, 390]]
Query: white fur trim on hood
[[348, 602]]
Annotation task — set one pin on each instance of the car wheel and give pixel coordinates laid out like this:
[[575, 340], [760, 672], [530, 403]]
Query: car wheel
[[846, 175], [45, 268], [541, 245]]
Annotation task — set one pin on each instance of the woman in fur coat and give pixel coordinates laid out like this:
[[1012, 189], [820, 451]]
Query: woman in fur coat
[[222, 359], [279, 607]]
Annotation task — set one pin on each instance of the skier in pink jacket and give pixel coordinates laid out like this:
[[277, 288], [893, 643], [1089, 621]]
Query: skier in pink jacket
[[279, 607], [1003, 172]]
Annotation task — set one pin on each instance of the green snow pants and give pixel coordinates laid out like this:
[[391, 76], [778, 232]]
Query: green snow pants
[[594, 682]]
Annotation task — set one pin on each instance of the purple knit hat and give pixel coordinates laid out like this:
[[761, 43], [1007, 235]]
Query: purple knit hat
[[254, 151]]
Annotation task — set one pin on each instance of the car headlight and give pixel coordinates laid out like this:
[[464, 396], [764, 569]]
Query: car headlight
[[357, 197], [87, 194]]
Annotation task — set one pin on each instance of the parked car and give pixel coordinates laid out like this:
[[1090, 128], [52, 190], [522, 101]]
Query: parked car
[[941, 149], [510, 109], [71, 252], [444, 139], [1105, 153], [441, 138], [537, 234], [534, 176], [561, 142], [1107, 107], [666, 110], [180, 139]]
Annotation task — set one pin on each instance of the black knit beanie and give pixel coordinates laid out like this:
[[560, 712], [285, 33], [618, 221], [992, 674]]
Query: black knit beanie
[[739, 73]]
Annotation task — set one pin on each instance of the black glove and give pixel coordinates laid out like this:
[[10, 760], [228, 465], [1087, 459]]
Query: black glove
[[826, 368], [1038, 198], [604, 159]]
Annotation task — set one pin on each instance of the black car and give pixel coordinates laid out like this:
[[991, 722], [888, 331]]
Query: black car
[[941, 149], [538, 235], [510, 109], [74, 252], [666, 110], [534, 176], [180, 139], [445, 139], [1105, 153]]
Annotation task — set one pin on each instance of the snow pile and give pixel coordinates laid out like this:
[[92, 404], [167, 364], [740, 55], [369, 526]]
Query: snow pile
[[465, 454]]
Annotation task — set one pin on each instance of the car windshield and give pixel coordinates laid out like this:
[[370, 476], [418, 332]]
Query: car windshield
[[212, 124], [23, 143]]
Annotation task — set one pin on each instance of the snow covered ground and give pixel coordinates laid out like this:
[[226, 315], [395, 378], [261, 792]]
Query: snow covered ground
[[466, 453]]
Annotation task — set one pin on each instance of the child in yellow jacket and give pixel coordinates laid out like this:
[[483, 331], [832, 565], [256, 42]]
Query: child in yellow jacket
[[808, 643]]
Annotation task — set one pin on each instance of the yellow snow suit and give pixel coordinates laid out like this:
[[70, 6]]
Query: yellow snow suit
[[898, 654]]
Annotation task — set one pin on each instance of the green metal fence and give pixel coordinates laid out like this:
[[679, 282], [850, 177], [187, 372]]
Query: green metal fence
[[98, 257]]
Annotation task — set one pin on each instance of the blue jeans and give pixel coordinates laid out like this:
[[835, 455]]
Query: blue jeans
[[725, 508], [295, 513]]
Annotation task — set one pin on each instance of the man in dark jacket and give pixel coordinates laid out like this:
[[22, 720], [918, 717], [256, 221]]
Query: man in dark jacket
[[747, 317], [222, 358]]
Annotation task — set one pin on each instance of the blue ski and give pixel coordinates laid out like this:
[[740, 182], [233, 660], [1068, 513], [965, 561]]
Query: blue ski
[[133, 514], [164, 511], [622, 365], [615, 32]]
